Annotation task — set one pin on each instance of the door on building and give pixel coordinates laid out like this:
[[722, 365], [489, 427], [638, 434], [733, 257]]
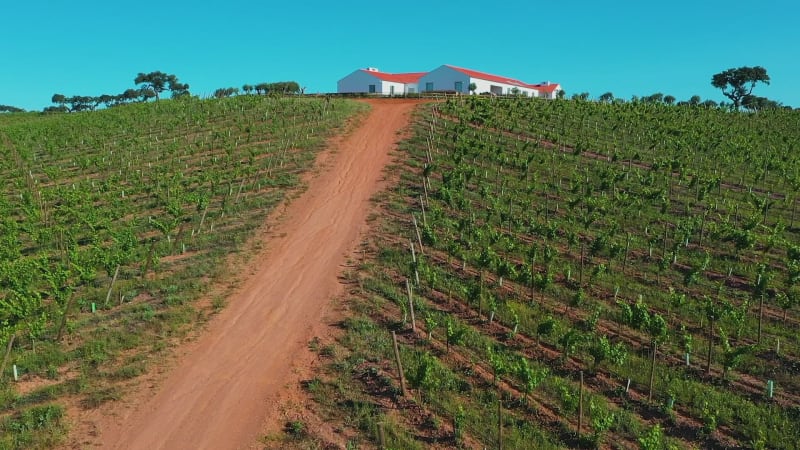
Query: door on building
[[459, 86], [371, 88], [391, 90], [429, 86]]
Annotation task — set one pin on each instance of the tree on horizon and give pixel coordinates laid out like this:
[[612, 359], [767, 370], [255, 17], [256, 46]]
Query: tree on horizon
[[738, 83], [159, 82]]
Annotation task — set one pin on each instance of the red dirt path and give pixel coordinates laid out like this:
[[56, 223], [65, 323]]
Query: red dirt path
[[226, 387]]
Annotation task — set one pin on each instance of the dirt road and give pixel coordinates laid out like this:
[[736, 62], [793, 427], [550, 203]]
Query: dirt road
[[224, 390]]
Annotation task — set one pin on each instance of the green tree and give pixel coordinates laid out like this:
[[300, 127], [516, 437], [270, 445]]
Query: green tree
[[738, 83], [226, 92], [11, 109], [658, 97], [159, 82], [756, 103], [59, 99]]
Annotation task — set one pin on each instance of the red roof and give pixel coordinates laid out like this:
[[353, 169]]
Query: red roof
[[549, 88], [490, 77], [412, 77], [505, 80]]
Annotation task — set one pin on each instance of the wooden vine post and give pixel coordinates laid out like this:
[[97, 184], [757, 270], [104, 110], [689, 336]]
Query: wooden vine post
[[419, 237], [499, 422], [7, 354], [652, 372], [399, 364], [111, 286], [760, 315], [580, 407], [414, 260], [63, 323], [411, 306], [580, 275], [381, 435], [422, 206]]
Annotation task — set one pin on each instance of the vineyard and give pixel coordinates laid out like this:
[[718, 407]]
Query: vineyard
[[115, 222], [577, 274]]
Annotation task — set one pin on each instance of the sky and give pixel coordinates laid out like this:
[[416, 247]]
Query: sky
[[94, 47]]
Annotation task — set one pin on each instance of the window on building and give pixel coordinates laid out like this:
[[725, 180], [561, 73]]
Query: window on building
[[371, 88], [459, 86], [429, 86]]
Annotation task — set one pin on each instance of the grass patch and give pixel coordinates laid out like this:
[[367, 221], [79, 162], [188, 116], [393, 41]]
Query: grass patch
[[38, 427]]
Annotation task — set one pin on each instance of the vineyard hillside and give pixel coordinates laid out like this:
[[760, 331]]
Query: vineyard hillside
[[117, 229], [576, 274]]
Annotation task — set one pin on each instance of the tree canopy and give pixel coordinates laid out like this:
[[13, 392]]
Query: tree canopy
[[280, 87], [152, 84], [756, 103], [738, 83], [8, 108], [78, 103], [159, 82], [226, 92]]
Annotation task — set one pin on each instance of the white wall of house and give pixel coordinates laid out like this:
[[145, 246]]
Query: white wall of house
[[358, 81], [393, 88], [444, 78], [497, 88], [552, 95], [361, 81]]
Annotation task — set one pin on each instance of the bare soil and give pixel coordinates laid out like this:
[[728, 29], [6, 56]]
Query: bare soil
[[232, 385]]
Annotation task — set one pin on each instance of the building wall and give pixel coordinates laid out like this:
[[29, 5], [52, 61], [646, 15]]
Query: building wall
[[497, 88], [443, 78], [551, 95], [399, 88], [359, 81]]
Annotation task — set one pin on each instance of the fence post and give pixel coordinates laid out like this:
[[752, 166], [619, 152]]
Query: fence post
[[399, 365]]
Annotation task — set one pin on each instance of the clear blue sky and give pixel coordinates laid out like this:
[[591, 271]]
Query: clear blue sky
[[93, 47]]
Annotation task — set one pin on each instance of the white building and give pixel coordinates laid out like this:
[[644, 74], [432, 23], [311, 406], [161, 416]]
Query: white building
[[445, 78], [547, 89], [373, 81], [457, 79]]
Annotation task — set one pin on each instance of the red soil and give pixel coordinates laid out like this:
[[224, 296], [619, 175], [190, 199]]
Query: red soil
[[227, 387]]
